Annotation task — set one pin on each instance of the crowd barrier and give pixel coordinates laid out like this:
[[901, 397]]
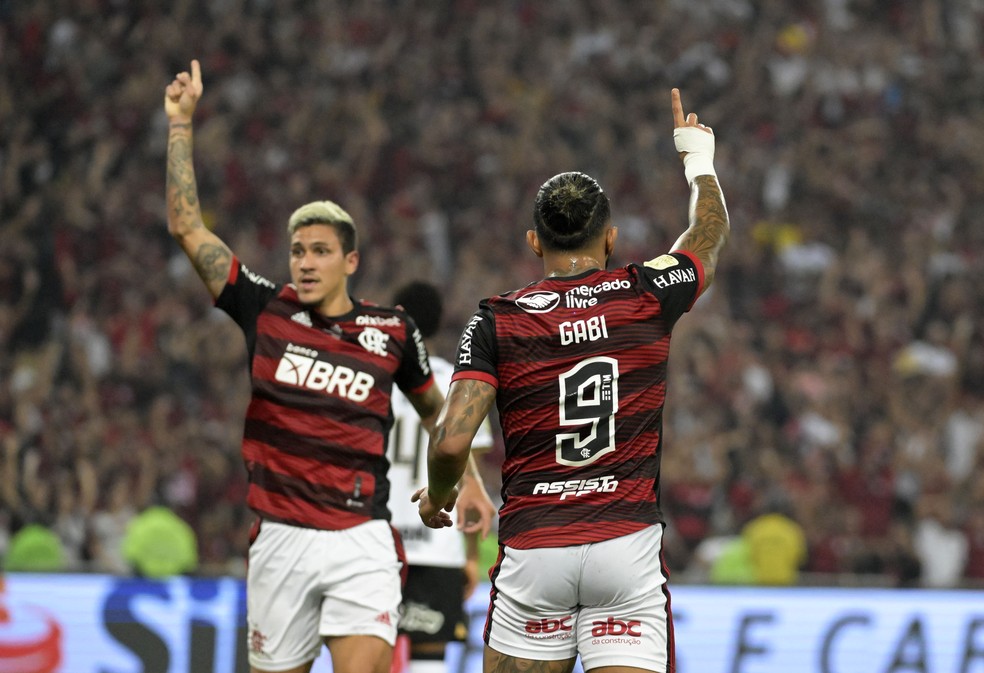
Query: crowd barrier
[[106, 624]]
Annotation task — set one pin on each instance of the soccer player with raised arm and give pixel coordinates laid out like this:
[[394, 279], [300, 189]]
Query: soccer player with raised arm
[[325, 565], [576, 364]]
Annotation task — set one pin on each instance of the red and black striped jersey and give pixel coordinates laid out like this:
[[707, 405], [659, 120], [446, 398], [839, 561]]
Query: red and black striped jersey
[[579, 364], [314, 441]]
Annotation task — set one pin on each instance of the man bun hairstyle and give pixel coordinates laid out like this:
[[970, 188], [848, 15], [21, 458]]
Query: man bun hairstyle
[[422, 302], [329, 213], [569, 211]]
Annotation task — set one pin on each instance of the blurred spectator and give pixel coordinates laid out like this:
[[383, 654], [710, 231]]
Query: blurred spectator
[[776, 546], [159, 544], [974, 529], [35, 548], [941, 546], [840, 360], [732, 562]]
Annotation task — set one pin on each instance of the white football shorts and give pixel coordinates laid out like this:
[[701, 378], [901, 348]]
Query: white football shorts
[[606, 600], [304, 584]]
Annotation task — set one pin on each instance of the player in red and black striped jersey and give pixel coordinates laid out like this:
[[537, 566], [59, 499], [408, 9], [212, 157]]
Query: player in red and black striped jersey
[[318, 421], [576, 364], [324, 562]]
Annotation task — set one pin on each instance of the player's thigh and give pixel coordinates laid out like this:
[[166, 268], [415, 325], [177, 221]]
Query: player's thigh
[[363, 595], [359, 654], [283, 600], [303, 668], [433, 611], [625, 619], [534, 604], [497, 662]]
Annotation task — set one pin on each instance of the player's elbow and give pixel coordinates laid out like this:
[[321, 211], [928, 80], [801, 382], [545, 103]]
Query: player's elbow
[[447, 447]]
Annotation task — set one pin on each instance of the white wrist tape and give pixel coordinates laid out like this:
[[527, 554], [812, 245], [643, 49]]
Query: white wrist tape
[[699, 146]]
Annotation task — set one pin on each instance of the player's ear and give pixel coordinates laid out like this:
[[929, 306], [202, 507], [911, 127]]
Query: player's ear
[[534, 242], [351, 262], [610, 236]]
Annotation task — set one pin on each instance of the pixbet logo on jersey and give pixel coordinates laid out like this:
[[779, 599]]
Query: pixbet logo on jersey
[[300, 367]]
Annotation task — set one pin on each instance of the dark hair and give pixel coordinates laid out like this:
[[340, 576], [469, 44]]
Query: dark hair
[[423, 302], [570, 210]]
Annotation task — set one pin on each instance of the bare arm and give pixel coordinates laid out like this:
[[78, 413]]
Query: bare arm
[[467, 405], [475, 508], [709, 225], [428, 405], [211, 257]]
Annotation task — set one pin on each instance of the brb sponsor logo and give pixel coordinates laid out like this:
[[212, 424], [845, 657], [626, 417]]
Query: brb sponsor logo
[[577, 487], [547, 629], [584, 296], [300, 367], [615, 631]]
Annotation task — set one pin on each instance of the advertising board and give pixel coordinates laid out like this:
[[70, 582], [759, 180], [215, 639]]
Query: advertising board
[[107, 624]]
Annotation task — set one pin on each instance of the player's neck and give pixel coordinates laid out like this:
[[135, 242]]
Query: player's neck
[[571, 264], [336, 305]]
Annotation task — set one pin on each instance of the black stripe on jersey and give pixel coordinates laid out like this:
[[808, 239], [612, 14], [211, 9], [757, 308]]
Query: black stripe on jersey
[[294, 399], [342, 455], [550, 514], [640, 467], [320, 496], [292, 487]]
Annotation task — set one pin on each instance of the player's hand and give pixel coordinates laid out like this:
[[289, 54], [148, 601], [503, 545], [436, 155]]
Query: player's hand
[[475, 508], [680, 121], [181, 96], [434, 514]]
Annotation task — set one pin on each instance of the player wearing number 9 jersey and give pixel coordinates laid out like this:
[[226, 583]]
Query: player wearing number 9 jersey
[[576, 364]]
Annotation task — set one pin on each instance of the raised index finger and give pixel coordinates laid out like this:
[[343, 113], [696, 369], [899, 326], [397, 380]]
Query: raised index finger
[[677, 106], [196, 74]]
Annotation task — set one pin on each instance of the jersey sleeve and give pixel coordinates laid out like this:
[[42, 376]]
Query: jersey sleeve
[[676, 279], [414, 374], [243, 298], [477, 356]]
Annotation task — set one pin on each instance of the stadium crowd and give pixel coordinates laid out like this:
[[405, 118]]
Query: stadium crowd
[[835, 371]]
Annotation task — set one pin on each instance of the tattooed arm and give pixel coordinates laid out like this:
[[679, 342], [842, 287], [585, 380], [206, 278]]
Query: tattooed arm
[[211, 257], [468, 403], [709, 223], [709, 227]]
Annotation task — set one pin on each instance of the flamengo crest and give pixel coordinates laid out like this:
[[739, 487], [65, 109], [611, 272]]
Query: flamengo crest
[[374, 341]]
